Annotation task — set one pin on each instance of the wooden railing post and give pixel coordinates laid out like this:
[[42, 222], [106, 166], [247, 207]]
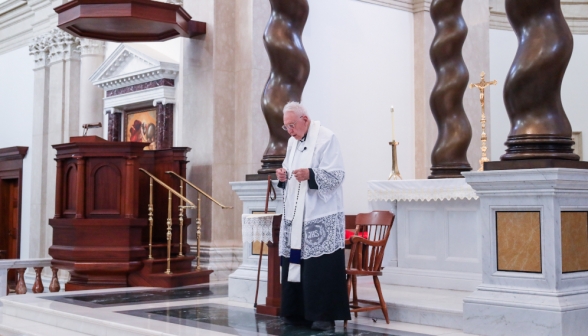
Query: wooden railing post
[[54, 285], [21, 287], [38, 286]]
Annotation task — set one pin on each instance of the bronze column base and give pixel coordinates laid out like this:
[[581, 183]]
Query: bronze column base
[[525, 147], [270, 163], [449, 171]]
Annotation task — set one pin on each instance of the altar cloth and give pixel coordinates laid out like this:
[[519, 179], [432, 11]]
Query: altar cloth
[[420, 190], [257, 228]]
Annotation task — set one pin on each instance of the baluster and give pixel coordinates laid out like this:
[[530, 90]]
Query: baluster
[[38, 286], [198, 233], [181, 218], [150, 217], [21, 287], [169, 231], [54, 285]]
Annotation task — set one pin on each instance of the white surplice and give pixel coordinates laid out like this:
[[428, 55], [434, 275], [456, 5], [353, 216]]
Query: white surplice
[[314, 221]]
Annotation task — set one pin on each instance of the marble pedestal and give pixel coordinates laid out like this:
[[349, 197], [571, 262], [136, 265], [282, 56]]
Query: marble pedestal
[[534, 278], [242, 281]]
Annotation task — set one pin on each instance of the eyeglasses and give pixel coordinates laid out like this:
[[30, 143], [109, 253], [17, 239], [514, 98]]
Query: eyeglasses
[[290, 126]]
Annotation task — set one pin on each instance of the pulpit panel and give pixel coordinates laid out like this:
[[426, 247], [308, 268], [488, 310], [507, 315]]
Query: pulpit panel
[[105, 183], [70, 189]]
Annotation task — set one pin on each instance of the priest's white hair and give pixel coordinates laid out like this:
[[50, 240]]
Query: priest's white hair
[[297, 108]]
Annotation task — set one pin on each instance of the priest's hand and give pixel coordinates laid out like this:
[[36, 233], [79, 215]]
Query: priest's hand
[[282, 174], [301, 174]]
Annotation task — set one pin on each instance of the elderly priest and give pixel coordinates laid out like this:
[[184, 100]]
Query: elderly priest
[[312, 238]]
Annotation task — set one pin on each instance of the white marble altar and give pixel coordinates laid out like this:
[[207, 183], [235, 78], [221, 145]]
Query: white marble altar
[[547, 302], [435, 241], [242, 282]]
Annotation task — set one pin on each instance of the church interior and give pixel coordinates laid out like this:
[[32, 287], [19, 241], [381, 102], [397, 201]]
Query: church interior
[[139, 142]]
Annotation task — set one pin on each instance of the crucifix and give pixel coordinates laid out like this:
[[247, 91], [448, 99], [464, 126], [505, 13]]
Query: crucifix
[[482, 86]]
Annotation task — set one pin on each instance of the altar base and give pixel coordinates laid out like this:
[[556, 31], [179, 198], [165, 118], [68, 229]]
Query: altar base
[[435, 239], [534, 253]]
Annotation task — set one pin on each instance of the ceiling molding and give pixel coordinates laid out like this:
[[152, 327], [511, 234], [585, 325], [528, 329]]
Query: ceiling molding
[[412, 6], [575, 12]]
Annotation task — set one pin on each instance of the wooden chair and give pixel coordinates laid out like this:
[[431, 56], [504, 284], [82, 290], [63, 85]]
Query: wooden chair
[[366, 258]]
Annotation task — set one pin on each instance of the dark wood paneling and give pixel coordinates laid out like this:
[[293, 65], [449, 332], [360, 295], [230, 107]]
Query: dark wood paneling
[[105, 183], [11, 180], [70, 188]]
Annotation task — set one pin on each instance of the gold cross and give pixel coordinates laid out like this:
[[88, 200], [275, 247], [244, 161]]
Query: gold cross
[[482, 86]]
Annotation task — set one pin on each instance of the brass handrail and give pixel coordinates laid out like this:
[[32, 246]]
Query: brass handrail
[[198, 217], [192, 205], [199, 190], [169, 216]]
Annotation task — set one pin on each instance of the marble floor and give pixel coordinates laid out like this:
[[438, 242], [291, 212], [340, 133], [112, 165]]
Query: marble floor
[[196, 310]]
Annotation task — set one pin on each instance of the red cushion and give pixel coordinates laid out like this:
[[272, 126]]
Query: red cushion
[[351, 233]]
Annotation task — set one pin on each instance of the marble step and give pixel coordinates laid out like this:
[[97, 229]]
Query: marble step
[[14, 326], [49, 322], [418, 305]]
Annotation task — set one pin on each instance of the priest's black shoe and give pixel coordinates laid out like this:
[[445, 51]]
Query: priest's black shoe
[[294, 321], [323, 325]]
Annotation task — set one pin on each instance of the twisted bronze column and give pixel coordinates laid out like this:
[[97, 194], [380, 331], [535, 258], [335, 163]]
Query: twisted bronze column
[[289, 73], [540, 128], [449, 157]]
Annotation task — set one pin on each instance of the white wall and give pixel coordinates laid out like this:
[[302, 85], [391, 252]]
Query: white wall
[[16, 122], [361, 61], [575, 91], [503, 47]]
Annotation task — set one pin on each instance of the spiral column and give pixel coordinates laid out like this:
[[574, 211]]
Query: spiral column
[[289, 72], [540, 128], [449, 157]]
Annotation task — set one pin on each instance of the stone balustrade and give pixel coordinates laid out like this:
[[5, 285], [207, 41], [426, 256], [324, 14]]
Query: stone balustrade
[[21, 265]]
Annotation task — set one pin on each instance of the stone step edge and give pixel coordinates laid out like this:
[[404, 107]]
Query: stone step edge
[[57, 315]]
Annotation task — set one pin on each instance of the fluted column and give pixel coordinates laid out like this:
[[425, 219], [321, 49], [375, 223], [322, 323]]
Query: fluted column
[[38, 223], [63, 116], [449, 157], [55, 119], [91, 97], [289, 72], [540, 128]]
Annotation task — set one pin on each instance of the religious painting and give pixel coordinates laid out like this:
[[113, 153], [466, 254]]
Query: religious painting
[[577, 137], [140, 126]]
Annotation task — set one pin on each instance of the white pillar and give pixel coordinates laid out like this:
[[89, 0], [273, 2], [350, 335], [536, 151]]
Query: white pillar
[[38, 49], [63, 115], [91, 97]]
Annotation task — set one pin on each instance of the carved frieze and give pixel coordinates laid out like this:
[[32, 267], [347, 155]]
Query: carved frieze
[[140, 87]]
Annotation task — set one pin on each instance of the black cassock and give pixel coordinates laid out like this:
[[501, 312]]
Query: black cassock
[[321, 294]]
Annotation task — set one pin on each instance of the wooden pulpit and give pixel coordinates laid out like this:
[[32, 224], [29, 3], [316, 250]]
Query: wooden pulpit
[[96, 229], [101, 209]]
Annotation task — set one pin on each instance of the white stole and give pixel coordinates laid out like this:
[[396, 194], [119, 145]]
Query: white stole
[[296, 195]]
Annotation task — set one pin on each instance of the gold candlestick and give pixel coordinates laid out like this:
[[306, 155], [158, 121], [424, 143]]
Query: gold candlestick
[[482, 86], [395, 173]]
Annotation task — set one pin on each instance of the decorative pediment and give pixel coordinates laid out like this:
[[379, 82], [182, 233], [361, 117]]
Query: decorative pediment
[[133, 64]]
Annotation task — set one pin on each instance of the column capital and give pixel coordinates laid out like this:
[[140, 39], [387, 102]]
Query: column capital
[[92, 47], [38, 48], [112, 110], [163, 101], [62, 46]]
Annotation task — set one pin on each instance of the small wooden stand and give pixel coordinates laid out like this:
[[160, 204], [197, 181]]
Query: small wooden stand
[[274, 288]]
